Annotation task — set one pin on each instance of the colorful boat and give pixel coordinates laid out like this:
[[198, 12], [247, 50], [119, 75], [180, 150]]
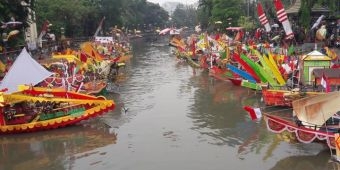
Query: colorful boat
[[25, 108], [225, 74], [313, 119], [272, 97], [35, 108]]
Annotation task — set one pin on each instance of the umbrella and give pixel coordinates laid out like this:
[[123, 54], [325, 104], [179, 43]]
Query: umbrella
[[164, 31]]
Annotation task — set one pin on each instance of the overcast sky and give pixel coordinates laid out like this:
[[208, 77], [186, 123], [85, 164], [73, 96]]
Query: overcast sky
[[181, 1]]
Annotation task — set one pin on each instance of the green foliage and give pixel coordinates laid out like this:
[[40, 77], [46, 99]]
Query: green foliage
[[14, 9], [305, 16], [246, 22], [76, 17], [227, 10], [81, 17], [184, 16]]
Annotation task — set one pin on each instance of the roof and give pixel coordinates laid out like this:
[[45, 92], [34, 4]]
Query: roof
[[294, 9], [317, 8], [315, 55], [329, 72]]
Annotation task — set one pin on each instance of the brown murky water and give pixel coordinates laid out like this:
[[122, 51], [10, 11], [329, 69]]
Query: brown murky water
[[174, 119]]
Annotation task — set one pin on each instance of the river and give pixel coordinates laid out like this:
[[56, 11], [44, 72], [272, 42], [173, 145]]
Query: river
[[168, 117]]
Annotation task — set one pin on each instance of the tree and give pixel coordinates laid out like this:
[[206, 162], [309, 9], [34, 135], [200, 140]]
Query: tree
[[184, 15], [78, 18], [227, 10], [205, 8], [14, 9]]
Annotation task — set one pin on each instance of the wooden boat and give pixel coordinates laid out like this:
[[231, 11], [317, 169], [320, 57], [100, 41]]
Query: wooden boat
[[94, 87], [35, 108], [225, 74], [313, 119], [278, 124], [76, 83], [272, 97], [27, 108]]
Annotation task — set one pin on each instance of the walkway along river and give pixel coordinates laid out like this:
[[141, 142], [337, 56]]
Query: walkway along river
[[168, 117]]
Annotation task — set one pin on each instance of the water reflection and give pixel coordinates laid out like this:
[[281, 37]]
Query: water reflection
[[217, 111], [319, 161], [55, 149]]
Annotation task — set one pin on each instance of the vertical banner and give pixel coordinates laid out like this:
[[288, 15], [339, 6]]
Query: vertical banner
[[282, 17], [262, 17]]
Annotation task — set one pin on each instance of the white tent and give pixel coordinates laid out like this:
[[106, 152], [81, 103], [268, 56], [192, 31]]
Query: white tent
[[25, 70]]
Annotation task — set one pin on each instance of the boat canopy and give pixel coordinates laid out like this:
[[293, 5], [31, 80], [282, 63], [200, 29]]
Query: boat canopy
[[24, 71], [316, 110], [328, 72]]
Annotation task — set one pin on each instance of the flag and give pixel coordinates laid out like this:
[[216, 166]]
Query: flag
[[325, 84], [262, 17], [83, 57], [254, 113], [44, 29], [99, 28], [317, 22], [283, 18]]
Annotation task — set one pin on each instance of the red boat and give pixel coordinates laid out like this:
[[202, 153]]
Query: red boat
[[273, 97], [225, 75], [34, 109], [279, 124], [313, 119]]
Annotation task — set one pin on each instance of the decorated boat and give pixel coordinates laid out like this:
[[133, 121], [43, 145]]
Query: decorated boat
[[73, 74], [26, 108], [312, 119], [34, 108], [272, 97], [225, 74]]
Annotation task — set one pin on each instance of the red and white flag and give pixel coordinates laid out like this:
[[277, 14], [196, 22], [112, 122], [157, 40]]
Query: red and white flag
[[325, 84], [282, 17], [262, 17], [254, 113]]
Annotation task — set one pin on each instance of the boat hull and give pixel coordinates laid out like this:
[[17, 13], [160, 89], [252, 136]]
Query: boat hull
[[280, 125], [284, 97]]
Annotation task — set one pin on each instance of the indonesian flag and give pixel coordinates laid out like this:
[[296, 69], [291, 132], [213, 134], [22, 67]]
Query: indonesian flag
[[282, 16], [254, 113], [325, 84], [263, 18]]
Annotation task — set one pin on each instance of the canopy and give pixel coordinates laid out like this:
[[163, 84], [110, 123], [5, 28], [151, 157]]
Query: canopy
[[316, 110], [25, 70]]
